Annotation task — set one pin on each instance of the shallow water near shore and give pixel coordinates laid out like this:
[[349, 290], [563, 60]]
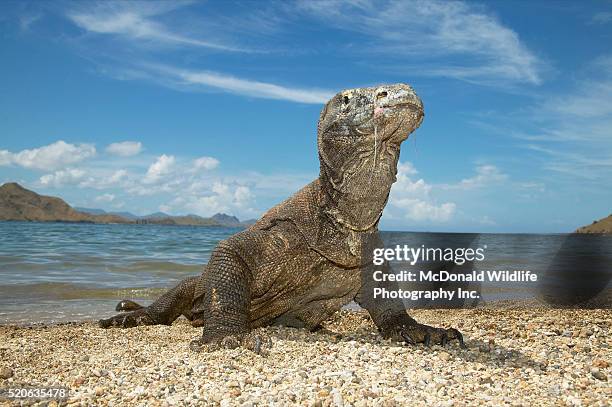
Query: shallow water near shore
[[53, 272]]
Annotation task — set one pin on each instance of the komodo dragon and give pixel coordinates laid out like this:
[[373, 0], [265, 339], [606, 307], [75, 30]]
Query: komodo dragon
[[302, 261]]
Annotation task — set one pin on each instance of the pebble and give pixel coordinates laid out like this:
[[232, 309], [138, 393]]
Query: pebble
[[349, 364], [585, 332], [6, 373], [600, 363], [599, 375]]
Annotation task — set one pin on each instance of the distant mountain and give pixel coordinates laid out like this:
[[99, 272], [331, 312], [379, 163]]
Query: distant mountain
[[219, 219], [599, 226], [127, 215], [92, 211], [248, 222], [20, 204], [226, 219], [156, 215]]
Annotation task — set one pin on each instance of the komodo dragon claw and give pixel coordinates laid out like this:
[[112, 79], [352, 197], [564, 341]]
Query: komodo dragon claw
[[425, 334], [257, 342], [128, 320]]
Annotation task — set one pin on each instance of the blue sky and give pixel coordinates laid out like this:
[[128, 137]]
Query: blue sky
[[205, 107]]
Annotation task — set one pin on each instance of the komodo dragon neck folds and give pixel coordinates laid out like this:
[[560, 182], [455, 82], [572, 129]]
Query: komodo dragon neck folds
[[304, 259]]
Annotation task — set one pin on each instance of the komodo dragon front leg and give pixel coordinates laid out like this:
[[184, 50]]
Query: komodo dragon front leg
[[392, 320], [221, 301]]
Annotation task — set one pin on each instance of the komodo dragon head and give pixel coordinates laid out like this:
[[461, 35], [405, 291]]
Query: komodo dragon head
[[359, 136]]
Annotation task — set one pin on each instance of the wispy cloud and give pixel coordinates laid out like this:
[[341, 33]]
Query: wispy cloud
[[570, 132], [136, 21], [483, 49], [603, 17], [27, 20], [486, 175], [206, 79], [139, 22], [190, 80], [105, 198]]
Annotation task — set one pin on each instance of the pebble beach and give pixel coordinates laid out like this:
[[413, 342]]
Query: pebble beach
[[516, 356]]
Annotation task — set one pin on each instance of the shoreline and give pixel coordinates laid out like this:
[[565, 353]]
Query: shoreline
[[602, 301], [515, 356]]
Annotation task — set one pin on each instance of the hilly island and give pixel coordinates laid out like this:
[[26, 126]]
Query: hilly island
[[599, 226], [20, 204]]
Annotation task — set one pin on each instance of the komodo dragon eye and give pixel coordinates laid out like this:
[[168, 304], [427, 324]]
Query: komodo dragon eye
[[346, 100]]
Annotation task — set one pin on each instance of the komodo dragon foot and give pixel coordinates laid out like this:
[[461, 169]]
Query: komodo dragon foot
[[128, 320], [425, 334], [255, 341]]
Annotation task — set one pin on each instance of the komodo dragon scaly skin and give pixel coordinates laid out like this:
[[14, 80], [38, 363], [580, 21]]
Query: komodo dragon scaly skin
[[303, 260]]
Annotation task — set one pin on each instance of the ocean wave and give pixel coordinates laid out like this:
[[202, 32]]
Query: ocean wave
[[70, 291]]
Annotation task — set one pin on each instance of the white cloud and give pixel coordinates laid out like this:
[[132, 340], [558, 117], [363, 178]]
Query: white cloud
[[227, 83], [118, 176], [124, 148], [483, 49], [187, 183], [6, 157], [205, 163], [104, 177], [242, 196], [105, 198], [69, 176], [202, 199], [419, 210], [159, 168], [603, 17], [27, 20], [52, 156], [135, 21], [485, 175], [412, 199]]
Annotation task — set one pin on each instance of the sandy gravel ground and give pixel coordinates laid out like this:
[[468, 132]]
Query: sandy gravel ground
[[515, 357]]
